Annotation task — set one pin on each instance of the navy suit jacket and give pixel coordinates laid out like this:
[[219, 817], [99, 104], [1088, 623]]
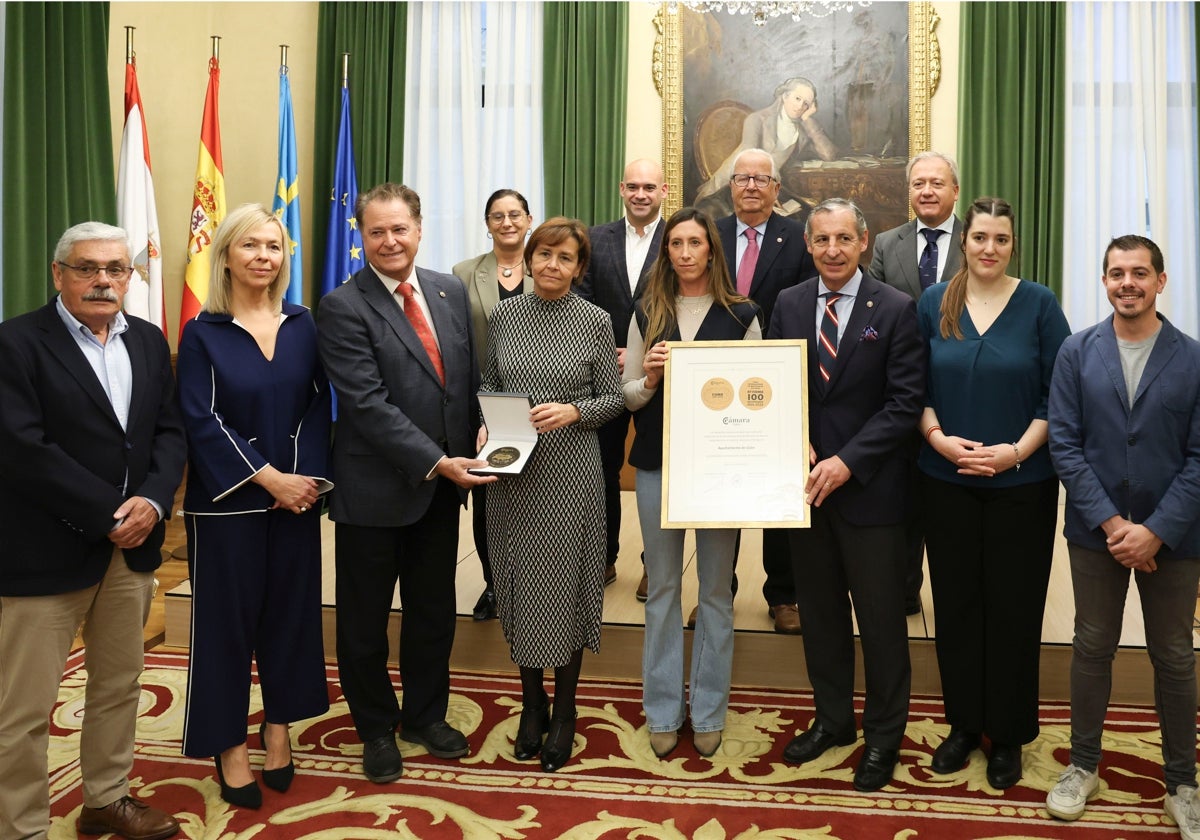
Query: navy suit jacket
[[894, 260], [606, 282], [1141, 462], [395, 419], [867, 411], [783, 259], [64, 456]]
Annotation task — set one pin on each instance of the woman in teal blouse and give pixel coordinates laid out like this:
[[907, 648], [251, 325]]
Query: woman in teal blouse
[[990, 492]]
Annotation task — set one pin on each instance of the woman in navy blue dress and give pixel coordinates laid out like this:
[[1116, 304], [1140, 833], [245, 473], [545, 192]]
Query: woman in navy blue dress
[[256, 404]]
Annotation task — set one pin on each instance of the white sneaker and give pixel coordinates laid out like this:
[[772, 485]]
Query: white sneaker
[[1068, 799], [1185, 810]]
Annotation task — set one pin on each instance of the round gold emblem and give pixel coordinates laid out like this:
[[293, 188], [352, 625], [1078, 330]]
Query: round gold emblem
[[503, 456], [755, 393], [717, 393]]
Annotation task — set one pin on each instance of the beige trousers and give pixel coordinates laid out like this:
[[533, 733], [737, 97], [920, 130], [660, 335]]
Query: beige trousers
[[36, 633]]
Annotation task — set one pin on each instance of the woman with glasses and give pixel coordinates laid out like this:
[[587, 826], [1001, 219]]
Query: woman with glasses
[[255, 403], [497, 275]]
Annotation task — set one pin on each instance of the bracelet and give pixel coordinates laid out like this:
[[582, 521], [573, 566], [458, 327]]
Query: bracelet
[[929, 433], [1017, 452]]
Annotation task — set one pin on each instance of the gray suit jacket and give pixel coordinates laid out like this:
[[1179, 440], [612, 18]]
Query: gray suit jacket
[[895, 258], [606, 282], [479, 276], [395, 419]]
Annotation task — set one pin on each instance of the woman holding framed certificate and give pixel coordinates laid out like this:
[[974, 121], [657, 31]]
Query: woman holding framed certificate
[[689, 296]]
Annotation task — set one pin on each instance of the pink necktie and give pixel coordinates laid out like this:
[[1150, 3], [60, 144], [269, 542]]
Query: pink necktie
[[412, 311], [745, 274]]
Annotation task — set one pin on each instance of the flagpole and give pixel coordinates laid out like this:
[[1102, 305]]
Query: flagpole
[[283, 48], [216, 44], [345, 70], [129, 44]]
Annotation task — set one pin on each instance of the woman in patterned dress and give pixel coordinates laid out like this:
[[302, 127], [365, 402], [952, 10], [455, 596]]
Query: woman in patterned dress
[[546, 526]]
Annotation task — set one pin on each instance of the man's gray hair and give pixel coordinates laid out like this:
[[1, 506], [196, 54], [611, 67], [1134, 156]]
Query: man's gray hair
[[942, 156], [89, 232], [764, 153], [829, 205]]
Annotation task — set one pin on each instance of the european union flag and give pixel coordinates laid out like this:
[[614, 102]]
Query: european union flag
[[286, 204], [344, 248]]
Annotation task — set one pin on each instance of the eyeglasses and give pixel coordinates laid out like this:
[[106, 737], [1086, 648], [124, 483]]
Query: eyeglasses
[[114, 271], [512, 215], [744, 180]]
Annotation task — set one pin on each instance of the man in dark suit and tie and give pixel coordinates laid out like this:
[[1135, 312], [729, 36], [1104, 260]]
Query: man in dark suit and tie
[[866, 384], [622, 254], [912, 257], [91, 452], [765, 253], [396, 343]]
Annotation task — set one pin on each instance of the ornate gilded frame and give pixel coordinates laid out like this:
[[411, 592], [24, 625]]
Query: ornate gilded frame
[[924, 73]]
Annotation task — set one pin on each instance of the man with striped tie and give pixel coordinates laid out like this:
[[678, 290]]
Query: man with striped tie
[[866, 385]]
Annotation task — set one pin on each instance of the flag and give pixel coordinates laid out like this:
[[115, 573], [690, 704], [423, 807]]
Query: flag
[[137, 211], [287, 186], [343, 243], [208, 202]]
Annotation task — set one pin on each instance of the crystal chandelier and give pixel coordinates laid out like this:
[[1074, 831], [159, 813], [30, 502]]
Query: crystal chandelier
[[762, 10]]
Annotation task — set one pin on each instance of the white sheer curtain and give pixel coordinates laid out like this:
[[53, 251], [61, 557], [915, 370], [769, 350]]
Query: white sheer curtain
[[473, 119], [1131, 150]]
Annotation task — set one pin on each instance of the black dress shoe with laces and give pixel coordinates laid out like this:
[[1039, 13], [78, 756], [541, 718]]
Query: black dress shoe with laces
[[440, 739], [381, 759], [813, 744], [952, 754], [1004, 766], [875, 768]]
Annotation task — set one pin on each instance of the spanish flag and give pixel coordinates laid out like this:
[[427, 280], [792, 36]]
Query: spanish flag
[[208, 202]]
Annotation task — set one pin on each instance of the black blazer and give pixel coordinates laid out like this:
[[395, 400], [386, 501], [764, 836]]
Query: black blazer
[[783, 259], [64, 456], [606, 282], [867, 411]]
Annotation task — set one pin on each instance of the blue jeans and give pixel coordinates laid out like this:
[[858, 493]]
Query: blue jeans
[[712, 643], [1168, 602]]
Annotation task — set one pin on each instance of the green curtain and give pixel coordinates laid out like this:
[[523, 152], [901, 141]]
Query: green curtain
[[58, 152], [584, 101], [1011, 114], [375, 36]]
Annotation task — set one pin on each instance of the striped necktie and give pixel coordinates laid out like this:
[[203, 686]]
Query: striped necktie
[[827, 341]]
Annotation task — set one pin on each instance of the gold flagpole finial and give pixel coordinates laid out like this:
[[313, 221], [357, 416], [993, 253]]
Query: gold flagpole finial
[[345, 70], [216, 44], [129, 44], [283, 48]]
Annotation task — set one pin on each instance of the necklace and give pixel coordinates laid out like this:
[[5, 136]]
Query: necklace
[[507, 270], [701, 303]]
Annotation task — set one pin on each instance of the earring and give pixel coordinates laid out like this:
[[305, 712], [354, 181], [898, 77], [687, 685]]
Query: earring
[[489, 234]]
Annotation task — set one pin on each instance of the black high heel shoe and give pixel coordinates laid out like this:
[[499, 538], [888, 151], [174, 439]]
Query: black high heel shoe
[[246, 796], [280, 778], [535, 720], [559, 740], [485, 607]]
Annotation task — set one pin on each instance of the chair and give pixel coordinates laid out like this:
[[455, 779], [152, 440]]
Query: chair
[[718, 134]]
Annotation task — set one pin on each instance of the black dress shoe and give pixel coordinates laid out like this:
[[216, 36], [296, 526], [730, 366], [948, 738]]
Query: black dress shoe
[[912, 606], [246, 796], [952, 754], [485, 607], [440, 739], [535, 720], [559, 740], [381, 759], [1004, 766], [279, 779], [813, 744], [875, 768]]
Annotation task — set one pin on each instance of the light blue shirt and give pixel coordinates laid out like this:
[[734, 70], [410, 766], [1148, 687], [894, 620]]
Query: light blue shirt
[[944, 243], [844, 305]]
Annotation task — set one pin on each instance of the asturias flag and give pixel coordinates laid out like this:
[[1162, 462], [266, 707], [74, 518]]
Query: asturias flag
[[137, 211], [343, 244], [208, 202], [287, 186]]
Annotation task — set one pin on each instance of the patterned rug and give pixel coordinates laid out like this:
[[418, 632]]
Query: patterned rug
[[614, 787]]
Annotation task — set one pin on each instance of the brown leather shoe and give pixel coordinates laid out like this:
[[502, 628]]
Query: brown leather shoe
[[787, 618], [130, 818], [643, 590], [610, 573]]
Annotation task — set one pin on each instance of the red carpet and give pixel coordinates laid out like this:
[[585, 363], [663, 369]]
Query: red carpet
[[615, 787]]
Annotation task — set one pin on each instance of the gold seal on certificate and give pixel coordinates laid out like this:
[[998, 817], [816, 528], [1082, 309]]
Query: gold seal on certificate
[[717, 394], [503, 456], [755, 393]]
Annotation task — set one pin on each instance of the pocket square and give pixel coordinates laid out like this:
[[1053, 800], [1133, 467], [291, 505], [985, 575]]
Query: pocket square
[[869, 334]]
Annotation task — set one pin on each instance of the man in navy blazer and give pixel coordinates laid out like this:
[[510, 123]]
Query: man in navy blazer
[[1124, 417], [622, 254], [864, 399], [783, 261], [91, 452], [407, 428]]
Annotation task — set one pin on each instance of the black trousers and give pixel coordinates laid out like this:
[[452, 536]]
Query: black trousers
[[612, 437], [990, 550], [479, 530], [838, 562], [422, 556]]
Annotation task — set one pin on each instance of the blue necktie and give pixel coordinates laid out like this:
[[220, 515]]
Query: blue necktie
[[927, 266], [827, 341]]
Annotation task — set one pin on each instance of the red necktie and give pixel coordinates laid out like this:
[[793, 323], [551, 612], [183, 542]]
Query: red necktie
[[412, 311], [745, 273]]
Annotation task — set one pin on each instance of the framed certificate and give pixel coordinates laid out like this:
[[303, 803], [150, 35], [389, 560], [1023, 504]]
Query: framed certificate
[[735, 434], [511, 436]]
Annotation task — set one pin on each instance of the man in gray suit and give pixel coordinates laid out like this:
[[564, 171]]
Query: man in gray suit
[[912, 258], [396, 342]]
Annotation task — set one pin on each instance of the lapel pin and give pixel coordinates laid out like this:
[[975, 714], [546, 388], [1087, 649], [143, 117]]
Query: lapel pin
[[779, 239], [870, 303], [443, 294]]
